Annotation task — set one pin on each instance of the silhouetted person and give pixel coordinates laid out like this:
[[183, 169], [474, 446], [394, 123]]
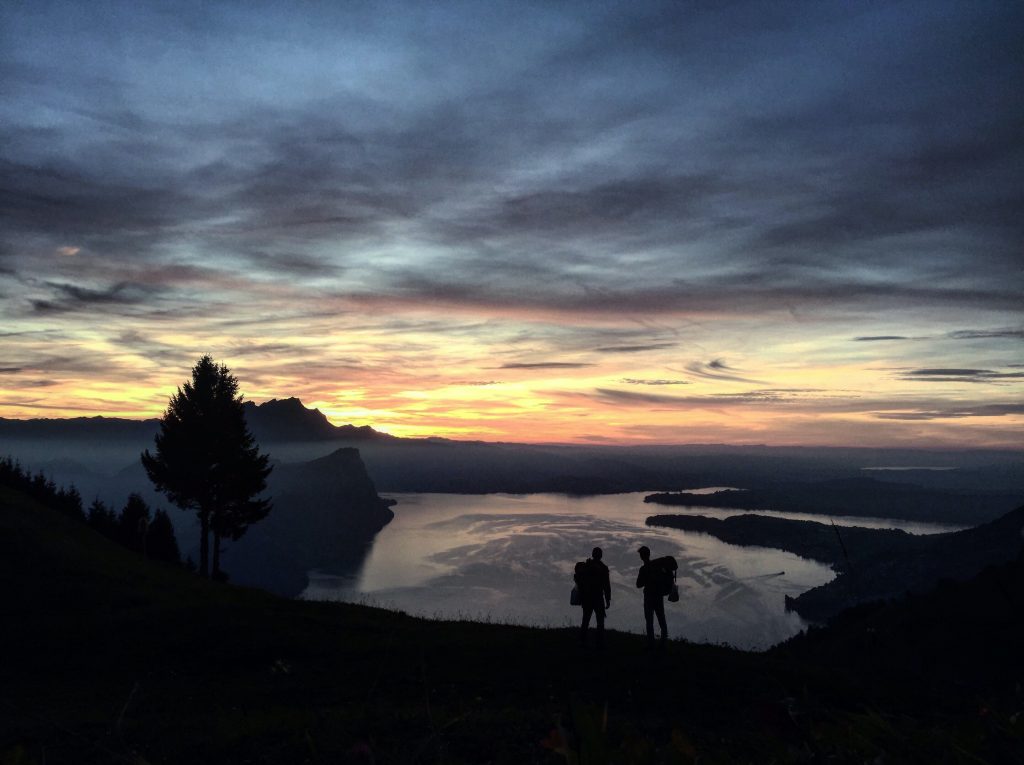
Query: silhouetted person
[[654, 596], [595, 594]]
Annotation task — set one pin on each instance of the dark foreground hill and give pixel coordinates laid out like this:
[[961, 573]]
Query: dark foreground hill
[[967, 633], [109, 658]]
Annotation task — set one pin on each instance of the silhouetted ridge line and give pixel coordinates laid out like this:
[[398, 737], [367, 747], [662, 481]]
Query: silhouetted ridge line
[[272, 421], [289, 420]]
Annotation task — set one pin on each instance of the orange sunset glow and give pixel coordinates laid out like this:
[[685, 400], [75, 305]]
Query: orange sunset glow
[[556, 236]]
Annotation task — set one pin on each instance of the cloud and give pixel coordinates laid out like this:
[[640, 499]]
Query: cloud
[[10, 370], [635, 381], [263, 349], [981, 334], [85, 365], [717, 369], [73, 297], [638, 206], [23, 384], [804, 402], [751, 293], [960, 375], [291, 263], [672, 167], [691, 402], [543, 197], [981, 410], [545, 365], [634, 348]]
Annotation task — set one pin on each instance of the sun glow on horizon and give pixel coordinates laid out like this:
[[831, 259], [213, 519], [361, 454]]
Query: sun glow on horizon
[[542, 233]]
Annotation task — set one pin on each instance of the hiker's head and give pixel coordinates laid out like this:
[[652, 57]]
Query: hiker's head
[[596, 554], [645, 553]]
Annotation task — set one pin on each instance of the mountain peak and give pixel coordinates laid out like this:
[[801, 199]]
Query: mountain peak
[[288, 419], [284, 404]]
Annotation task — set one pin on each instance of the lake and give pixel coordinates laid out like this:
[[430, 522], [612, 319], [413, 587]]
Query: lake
[[509, 559]]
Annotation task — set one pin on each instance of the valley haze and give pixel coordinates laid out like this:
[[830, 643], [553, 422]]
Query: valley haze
[[89, 451]]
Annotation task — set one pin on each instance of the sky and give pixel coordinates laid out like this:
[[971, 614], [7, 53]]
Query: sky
[[577, 222]]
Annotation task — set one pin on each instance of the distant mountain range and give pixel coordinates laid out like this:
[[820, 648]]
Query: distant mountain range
[[972, 486], [272, 421]]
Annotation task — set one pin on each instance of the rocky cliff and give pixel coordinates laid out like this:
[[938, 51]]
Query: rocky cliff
[[325, 515]]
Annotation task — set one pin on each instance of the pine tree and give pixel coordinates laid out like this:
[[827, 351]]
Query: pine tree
[[161, 543], [133, 525], [207, 461], [102, 518], [73, 503]]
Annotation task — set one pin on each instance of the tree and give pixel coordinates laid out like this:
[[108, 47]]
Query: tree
[[102, 518], [133, 525], [207, 461], [161, 544]]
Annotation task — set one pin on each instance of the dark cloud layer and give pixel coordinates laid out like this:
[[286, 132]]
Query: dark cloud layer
[[72, 297], [720, 195], [546, 170]]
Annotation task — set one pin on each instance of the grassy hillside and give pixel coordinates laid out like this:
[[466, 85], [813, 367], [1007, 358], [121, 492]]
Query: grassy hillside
[[110, 658]]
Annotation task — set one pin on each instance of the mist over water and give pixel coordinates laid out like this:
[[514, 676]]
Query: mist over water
[[510, 558]]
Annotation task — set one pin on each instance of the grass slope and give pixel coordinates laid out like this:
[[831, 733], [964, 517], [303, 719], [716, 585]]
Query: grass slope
[[109, 658]]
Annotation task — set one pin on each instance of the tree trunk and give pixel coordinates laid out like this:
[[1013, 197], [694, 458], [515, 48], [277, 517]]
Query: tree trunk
[[204, 543], [215, 574]]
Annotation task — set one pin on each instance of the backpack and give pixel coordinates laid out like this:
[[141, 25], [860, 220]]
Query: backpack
[[664, 569], [579, 577]]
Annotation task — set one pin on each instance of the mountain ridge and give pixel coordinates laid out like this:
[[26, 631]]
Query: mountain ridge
[[271, 421], [288, 419]]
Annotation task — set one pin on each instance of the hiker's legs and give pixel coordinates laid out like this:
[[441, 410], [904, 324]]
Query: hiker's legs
[[587, 611], [659, 609], [649, 618], [599, 613]]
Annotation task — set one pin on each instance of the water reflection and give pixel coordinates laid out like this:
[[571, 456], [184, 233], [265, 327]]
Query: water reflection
[[509, 558]]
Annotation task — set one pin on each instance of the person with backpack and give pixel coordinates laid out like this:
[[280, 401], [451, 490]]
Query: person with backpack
[[656, 584], [595, 592]]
